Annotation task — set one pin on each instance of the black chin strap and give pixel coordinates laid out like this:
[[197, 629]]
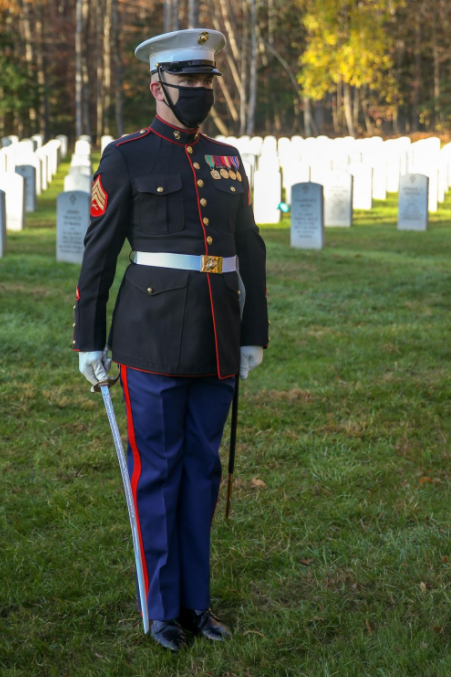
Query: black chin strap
[[169, 103]]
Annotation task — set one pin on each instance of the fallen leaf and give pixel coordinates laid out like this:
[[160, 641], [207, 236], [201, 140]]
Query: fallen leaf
[[368, 626], [97, 655], [258, 483], [424, 645], [423, 587], [444, 559], [439, 629], [307, 561], [423, 480], [248, 673], [253, 632]]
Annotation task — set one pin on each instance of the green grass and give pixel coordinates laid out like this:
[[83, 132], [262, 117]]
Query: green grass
[[340, 566]]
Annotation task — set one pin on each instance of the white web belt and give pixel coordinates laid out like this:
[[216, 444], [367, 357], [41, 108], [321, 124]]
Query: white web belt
[[203, 264]]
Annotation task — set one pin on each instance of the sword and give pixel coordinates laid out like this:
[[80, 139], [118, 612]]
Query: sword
[[104, 388], [233, 427]]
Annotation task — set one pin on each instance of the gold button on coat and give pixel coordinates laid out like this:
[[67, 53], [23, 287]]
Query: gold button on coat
[[189, 149], [203, 202], [196, 165], [73, 324], [177, 135], [200, 183], [73, 343], [209, 240], [160, 189], [206, 221], [233, 189], [149, 290]]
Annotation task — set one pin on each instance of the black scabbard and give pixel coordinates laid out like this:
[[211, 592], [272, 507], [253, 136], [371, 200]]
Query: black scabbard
[[233, 428]]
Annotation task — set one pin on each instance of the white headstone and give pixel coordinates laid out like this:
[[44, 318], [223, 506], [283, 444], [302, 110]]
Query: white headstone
[[104, 141], [2, 223], [363, 185], [77, 181], [85, 137], [72, 220], [338, 199], [413, 202], [307, 216], [82, 147], [6, 141], [39, 138], [267, 196], [14, 187], [44, 155], [62, 138], [29, 174], [295, 172], [26, 146]]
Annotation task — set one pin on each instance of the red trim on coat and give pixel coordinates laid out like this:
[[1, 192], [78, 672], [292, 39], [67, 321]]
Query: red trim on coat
[[176, 142], [141, 136], [136, 469], [161, 373], [180, 129], [208, 274]]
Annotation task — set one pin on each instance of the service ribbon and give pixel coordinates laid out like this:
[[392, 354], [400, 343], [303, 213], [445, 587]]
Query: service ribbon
[[235, 161]]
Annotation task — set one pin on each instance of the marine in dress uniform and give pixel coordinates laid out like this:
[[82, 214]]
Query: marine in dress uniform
[[179, 331]]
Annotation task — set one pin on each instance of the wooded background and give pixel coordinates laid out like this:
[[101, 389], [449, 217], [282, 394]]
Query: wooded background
[[291, 66]]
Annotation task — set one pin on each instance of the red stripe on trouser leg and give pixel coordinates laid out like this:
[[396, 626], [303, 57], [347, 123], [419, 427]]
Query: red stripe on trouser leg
[[136, 468]]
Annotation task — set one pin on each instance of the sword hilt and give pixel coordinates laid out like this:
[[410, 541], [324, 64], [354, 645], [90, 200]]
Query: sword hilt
[[110, 382]]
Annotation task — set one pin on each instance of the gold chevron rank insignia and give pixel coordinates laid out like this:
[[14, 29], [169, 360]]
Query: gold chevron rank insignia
[[99, 198]]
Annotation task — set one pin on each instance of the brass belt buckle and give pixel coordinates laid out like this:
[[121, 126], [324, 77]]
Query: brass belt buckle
[[210, 264]]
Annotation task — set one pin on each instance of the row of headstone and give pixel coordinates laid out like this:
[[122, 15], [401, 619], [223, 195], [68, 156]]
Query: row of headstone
[[371, 161], [310, 215], [26, 169]]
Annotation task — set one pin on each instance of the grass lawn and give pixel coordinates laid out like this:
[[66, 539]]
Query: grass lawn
[[339, 566]]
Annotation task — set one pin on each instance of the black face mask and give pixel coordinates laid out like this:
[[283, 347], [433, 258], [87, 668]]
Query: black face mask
[[193, 105]]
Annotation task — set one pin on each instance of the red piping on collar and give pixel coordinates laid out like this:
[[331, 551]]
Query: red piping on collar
[[180, 129], [176, 142], [141, 136]]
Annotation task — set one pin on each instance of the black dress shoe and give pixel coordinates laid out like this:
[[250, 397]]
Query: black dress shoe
[[204, 622], [169, 634]]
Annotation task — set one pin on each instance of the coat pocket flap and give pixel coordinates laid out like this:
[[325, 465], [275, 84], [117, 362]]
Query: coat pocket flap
[[231, 281], [226, 186], [153, 280], [158, 185]]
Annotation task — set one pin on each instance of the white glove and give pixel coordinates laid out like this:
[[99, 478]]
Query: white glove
[[95, 365], [251, 357]]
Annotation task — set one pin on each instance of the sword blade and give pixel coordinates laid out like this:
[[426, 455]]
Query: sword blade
[[130, 503]]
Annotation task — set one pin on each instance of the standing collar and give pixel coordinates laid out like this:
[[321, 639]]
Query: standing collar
[[174, 134]]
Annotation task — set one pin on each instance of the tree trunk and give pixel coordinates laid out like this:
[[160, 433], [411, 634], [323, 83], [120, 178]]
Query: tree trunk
[[193, 13], [366, 117], [25, 29], [417, 73], [436, 57], [107, 66], [99, 72], [348, 108], [118, 95], [78, 70], [252, 70], [84, 66], [356, 108], [41, 72], [167, 14], [243, 74], [175, 15]]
